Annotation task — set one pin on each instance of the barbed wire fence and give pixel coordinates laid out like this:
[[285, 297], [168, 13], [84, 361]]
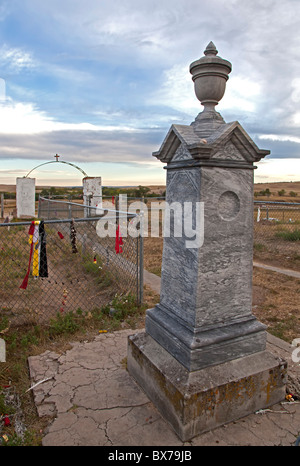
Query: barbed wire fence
[[65, 263]]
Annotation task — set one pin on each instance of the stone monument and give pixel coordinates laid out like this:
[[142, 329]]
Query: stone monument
[[202, 359], [25, 197], [92, 194]]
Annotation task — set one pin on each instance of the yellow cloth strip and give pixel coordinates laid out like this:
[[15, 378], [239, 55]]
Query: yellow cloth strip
[[35, 261]]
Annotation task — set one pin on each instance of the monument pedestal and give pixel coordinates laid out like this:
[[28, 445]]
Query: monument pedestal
[[199, 347], [198, 401]]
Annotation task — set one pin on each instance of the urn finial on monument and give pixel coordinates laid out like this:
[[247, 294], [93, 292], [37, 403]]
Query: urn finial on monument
[[210, 74]]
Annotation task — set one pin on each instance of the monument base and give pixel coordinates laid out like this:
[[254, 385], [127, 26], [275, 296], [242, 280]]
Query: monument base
[[195, 402], [197, 348]]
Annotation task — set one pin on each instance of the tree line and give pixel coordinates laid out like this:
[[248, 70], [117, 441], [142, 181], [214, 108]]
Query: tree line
[[281, 192]]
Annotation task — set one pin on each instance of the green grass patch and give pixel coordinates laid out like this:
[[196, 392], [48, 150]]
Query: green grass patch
[[66, 323], [282, 328], [100, 274], [289, 235], [259, 247]]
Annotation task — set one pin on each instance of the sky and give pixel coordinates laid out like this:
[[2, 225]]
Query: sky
[[100, 82]]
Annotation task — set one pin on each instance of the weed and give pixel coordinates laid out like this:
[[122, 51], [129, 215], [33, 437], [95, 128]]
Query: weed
[[121, 306], [101, 276], [4, 407], [4, 323], [67, 323], [289, 235], [259, 247], [281, 328]]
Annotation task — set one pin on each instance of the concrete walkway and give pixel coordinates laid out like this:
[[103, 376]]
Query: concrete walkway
[[93, 401], [153, 280], [272, 268]]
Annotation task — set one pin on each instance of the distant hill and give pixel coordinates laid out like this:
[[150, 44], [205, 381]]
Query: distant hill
[[279, 191], [7, 188], [11, 188]]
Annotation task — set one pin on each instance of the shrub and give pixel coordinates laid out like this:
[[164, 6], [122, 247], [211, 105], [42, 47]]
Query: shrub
[[64, 324]]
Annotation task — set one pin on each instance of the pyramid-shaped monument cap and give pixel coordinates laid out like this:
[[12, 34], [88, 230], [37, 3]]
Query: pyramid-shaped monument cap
[[210, 74]]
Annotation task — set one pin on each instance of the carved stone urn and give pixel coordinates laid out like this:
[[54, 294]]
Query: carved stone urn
[[210, 74]]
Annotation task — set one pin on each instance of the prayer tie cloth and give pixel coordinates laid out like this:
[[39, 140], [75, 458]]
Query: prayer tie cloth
[[119, 241], [37, 241]]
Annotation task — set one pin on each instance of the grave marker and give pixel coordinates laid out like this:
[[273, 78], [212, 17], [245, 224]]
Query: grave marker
[[202, 359]]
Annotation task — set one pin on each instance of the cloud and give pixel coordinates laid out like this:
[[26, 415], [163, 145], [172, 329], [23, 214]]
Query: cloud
[[15, 59], [25, 118], [104, 81], [11, 171], [277, 170], [277, 137], [282, 146], [177, 92], [85, 146], [242, 93]]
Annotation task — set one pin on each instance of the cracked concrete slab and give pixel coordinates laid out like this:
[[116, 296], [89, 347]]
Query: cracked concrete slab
[[93, 401]]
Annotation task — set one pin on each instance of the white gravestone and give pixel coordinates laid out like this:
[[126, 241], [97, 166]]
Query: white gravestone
[[25, 196]]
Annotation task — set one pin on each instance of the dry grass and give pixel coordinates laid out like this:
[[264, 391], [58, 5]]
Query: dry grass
[[153, 254], [276, 303], [279, 186]]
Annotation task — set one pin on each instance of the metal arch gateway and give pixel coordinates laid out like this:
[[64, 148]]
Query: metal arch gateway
[[57, 161], [25, 190]]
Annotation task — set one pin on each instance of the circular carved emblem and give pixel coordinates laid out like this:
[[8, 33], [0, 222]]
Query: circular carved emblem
[[229, 205]]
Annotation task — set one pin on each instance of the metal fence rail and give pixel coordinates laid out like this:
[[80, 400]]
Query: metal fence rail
[[49, 208], [68, 267]]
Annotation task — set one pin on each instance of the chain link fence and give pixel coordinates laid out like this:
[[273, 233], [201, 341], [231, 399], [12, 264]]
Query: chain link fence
[[277, 228], [73, 264], [276, 232], [66, 264], [276, 224]]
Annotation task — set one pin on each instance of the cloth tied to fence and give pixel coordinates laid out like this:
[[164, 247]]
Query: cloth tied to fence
[[43, 263], [73, 236], [119, 241], [37, 241]]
